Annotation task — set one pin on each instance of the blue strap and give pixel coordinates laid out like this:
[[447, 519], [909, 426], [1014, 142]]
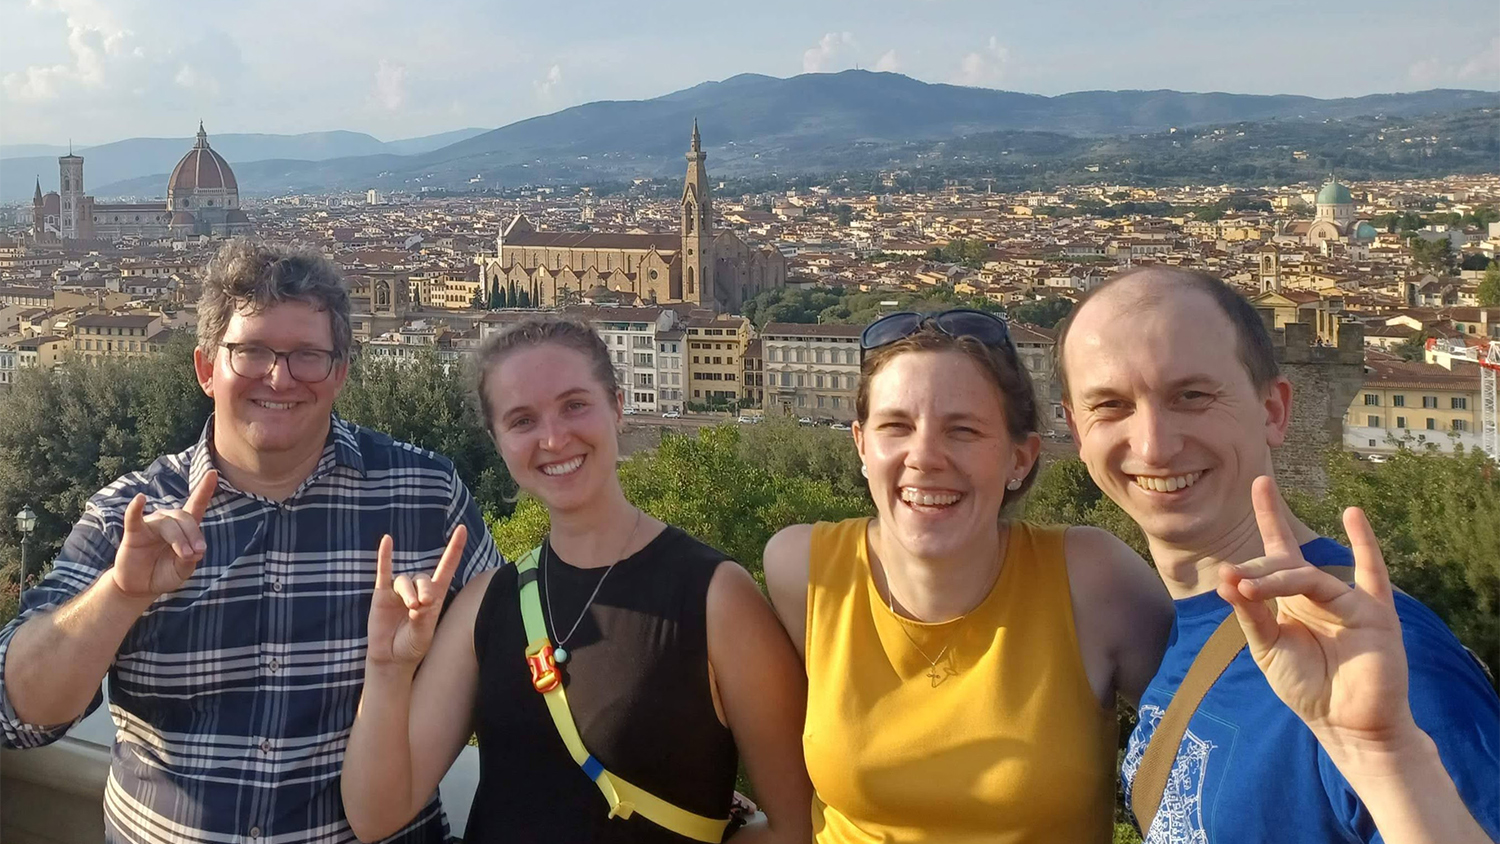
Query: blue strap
[[593, 767]]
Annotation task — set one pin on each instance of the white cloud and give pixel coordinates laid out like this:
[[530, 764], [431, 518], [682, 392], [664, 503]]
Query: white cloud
[[824, 55], [95, 41], [390, 85], [888, 62], [984, 67], [1481, 69], [547, 87]]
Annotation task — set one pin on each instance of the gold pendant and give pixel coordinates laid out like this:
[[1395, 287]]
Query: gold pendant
[[937, 677]]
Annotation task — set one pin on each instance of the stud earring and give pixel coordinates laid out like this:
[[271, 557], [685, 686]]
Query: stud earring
[[1015, 484], [864, 470]]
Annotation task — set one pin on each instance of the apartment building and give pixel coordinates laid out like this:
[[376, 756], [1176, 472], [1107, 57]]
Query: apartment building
[[631, 335], [1415, 402], [108, 335], [753, 381], [811, 370], [715, 358], [671, 375]]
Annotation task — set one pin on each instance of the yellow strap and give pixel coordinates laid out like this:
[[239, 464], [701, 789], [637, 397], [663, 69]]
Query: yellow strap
[[624, 799]]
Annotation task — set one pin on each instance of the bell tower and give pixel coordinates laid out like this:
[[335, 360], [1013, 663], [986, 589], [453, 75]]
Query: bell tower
[[697, 228], [70, 209]]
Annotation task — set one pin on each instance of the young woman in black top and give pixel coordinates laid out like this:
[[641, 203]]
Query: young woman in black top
[[673, 659]]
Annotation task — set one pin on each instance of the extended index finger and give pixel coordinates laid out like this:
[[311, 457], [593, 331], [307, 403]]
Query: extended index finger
[[197, 503], [383, 578], [448, 564], [1275, 533]]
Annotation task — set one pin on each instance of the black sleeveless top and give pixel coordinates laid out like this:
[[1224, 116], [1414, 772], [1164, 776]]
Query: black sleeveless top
[[637, 683]]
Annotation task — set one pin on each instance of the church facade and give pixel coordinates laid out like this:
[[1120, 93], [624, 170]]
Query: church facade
[[203, 198], [697, 265]]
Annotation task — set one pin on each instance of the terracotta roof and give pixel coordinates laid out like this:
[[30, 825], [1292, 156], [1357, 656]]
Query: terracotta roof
[[595, 240], [113, 321], [201, 168], [1463, 376]]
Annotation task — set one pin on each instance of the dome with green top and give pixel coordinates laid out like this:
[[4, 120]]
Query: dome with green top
[[1334, 193]]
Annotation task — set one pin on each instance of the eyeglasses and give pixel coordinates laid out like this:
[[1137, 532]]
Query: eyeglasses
[[306, 365], [983, 326]]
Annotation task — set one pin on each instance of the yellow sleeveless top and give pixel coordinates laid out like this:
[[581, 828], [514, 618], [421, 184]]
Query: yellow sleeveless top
[[1002, 742]]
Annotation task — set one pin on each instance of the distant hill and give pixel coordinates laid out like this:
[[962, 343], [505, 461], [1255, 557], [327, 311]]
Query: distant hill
[[752, 125], [146, 158]]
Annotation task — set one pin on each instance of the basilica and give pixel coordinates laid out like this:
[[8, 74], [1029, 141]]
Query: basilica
[[695, 265], [203, 198]]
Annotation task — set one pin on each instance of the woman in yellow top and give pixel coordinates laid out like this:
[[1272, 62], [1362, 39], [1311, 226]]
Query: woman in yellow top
[[962, 669]]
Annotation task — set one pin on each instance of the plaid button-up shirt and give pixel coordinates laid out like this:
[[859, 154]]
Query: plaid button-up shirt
[[233, 696]]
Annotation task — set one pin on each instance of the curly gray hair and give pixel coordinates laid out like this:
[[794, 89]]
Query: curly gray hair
[[250, 277]]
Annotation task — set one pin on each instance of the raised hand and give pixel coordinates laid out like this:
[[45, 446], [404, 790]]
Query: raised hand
[[1333, 654], [159, 552], [404, 610]]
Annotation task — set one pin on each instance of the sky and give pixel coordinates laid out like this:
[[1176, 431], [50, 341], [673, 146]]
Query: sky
[[100, 70]]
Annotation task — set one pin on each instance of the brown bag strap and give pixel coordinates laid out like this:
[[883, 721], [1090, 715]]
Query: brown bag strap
[[1222, 647], [1161, 751]]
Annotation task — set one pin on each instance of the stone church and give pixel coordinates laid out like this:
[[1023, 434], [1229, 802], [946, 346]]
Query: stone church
[[697, 265], [203, 198]]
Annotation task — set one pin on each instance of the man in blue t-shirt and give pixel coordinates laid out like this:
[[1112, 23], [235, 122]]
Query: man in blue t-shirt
[[1353, 714]]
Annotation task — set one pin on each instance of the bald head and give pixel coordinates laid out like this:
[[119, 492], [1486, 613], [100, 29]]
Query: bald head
[[1135, 292]]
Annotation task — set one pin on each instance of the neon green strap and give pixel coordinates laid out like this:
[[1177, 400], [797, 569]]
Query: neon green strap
[[624, 799]]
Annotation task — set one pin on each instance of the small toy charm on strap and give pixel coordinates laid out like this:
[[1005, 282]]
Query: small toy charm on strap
[[545, 675]]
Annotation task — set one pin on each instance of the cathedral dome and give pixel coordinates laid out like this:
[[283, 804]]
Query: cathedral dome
[[201, 168], [1334, 193]]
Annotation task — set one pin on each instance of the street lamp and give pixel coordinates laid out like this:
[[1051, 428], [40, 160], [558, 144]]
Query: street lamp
[[25, 523]]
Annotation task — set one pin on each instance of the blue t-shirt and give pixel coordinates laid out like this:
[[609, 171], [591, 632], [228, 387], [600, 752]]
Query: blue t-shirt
[[1248, 770]]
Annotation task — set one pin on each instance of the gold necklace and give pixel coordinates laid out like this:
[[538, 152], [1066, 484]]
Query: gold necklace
[[932, 671], [949, 669]]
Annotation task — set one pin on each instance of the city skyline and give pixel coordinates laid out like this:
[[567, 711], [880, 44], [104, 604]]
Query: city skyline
[[97, 72]]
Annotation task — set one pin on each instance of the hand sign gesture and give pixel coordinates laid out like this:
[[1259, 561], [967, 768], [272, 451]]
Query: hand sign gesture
[[159, 552], [404, 610], [1333, 654]]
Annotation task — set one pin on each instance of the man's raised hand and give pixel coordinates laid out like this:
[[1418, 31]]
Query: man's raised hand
[[404, 610], [158, 552], [1333, 654]]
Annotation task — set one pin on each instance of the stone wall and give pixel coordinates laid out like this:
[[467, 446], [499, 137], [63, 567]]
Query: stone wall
[[1324, 380]]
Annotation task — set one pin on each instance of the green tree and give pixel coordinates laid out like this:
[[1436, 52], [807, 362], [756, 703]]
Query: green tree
[[497, 300], [429, 403], [1474, 261], [1438, 520], [481, 301], [1432, 256], [1489, 288], [65, 433], [524, 300], [1414, 349], [1046, 313]]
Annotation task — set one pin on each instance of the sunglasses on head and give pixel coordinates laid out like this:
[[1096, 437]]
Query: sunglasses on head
[[983, 326]]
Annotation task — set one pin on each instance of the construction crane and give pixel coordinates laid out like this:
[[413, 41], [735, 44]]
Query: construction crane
[[1486, 353]]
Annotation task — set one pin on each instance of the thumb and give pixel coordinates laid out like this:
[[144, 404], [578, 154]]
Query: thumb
[[1256, 618], [135, 515]]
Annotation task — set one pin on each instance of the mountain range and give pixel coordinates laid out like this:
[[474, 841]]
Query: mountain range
[[751, 124]]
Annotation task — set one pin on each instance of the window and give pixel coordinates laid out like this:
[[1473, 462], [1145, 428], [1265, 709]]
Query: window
[[1431, 424], [849, 356], [821, 401], [1460, 425], [837, 402], [801, 380], [818, 381], [1460, 403], [695, 358], [619, 357], [799, 355], [1400, 421], [1372, 421], [1372, 400], [786, 379], [1398, 400], [801, 400], [1429, 401]]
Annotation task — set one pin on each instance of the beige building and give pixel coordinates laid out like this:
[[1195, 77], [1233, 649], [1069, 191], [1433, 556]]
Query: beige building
[[671, 374], [1034, 348], [97, 336], [1415, 402], [696, 265], [753, 382], [714, 358], [45, 351], [811, 370]]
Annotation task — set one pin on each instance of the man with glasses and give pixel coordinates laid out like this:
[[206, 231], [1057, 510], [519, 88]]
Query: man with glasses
[[225, 589]]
